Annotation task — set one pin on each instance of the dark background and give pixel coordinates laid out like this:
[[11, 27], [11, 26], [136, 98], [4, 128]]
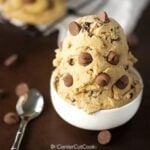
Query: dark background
[[35, 67]]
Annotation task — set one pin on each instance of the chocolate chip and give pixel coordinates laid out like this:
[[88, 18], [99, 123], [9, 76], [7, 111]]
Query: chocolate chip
[[102, 79], [2, 93], [29, 1], [133, 40], [104, 137], [113, 58], [22, 89], [11, 60], [122, 82], [71, 61], [131, 95], [68, 80], [11, 118], [86, 26], [115, 39], [85, 59], [50, 3], [74, 28], [103, 17], [126, 67]]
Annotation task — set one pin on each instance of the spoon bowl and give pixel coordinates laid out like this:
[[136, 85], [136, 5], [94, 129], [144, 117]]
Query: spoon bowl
[[29, 106]]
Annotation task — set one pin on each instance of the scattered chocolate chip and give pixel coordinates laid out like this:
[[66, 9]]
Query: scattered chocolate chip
[[122, 82], [2, 93], [11, 60], [102, 79], [133, 40], [21, 89], [104, 137], [103, 17], [85, 59], [71, 61], [68, 80], [113, 58], [29, 1], [74, 28], [11, 118]]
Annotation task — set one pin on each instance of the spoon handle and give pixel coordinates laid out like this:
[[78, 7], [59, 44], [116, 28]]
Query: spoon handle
[[19, 135]]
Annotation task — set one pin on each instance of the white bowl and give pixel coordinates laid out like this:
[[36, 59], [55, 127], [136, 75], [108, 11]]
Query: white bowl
[[103, 119]]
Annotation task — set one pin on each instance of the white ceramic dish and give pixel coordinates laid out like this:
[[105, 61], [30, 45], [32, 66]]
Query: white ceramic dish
[[104, 119]]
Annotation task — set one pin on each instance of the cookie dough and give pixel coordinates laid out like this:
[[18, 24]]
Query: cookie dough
[[94, 65], [35, 12], [1, 4]]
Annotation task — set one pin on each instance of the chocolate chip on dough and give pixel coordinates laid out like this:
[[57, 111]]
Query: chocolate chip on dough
[[68, 80], [11, 118], [104, 137], [102, 79], [74, 28], [113, 58], [71, 61], [122, 82], [103, 16], [85, 59]]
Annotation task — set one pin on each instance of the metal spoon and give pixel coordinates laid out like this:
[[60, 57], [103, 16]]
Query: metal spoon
[[29, 106]]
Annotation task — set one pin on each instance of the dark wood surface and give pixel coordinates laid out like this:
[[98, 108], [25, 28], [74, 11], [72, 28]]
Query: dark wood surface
[[35, 67]]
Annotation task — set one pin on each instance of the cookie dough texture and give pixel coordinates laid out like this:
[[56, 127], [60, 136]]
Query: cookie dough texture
[[98, 39], [35, 12]]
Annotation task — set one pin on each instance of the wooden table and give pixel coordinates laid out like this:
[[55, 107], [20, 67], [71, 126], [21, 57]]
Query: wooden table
[[35, 68]]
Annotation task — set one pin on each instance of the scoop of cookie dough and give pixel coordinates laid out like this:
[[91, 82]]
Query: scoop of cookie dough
[[35, 12], [94, 65]]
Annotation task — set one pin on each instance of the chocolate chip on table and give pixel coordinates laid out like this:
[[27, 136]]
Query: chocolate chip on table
[[68, 80], [104, 137], [113, 58], [21, 89], [85, 59], [102, 79], [11, 118], [11, 60], [2, 93], [122, 82], [103, 17], [74, 28]]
